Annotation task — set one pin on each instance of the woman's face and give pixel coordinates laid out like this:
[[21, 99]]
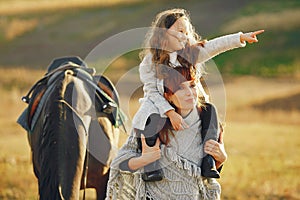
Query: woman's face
[[185, 98], [177, 35]]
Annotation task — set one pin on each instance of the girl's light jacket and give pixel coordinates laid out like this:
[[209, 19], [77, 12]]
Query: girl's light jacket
[[153, 100]]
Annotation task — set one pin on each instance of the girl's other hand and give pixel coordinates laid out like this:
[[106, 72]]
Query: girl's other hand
[[176, 120]]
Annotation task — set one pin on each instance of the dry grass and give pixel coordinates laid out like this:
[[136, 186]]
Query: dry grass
[[22, 6], [245, 93], [17, 178], [263, 161], [263, 147], [21, 16], [18, 78], [17, 27]]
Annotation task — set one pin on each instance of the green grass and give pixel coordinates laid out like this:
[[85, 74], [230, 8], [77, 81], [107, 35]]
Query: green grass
[[269, 6], [267, 58], [276, 53], [33, 38]]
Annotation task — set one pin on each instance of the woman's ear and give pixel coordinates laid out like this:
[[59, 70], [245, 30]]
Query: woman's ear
[[168, 97]]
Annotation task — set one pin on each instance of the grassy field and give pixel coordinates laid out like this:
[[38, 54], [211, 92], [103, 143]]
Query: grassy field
[[262, 144], [263, 108]]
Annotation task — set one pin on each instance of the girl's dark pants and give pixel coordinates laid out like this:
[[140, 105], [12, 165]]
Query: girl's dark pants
[[209, 130]]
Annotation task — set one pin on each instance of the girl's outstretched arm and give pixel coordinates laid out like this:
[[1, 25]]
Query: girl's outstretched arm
[[250, 37], [216, 46]]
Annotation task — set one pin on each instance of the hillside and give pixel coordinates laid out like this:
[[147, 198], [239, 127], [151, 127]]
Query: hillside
[[33, 37]]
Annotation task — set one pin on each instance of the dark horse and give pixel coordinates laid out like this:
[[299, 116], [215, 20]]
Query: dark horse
[[73, 122]]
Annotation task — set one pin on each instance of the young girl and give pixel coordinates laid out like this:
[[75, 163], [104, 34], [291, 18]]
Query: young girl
[[171, 42]]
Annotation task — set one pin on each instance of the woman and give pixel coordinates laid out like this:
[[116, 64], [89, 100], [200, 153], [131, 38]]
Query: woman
[[179, 154]]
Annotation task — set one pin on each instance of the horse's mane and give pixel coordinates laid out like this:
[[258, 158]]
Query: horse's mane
[[48, 180], [60, 138]]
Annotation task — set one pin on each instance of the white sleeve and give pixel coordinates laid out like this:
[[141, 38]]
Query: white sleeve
[[150, 88], [219, 45]]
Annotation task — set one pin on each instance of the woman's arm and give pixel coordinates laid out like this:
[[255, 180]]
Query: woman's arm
[[217, 149]]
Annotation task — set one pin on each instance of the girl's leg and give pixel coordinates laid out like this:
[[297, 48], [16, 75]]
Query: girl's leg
[[155, 123], [210, 124]]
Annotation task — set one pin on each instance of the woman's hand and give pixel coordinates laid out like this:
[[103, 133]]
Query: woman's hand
[[149, 155], [176, 120], [250, 37], [217, 150]]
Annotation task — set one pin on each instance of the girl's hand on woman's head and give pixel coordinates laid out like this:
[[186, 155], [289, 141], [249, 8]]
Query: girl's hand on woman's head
[[250, 37]]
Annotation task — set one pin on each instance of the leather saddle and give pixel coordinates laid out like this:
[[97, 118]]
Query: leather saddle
[[39, 91]]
